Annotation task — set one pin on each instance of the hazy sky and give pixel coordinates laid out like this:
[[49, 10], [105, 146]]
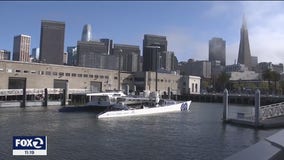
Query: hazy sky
[[188, 25]]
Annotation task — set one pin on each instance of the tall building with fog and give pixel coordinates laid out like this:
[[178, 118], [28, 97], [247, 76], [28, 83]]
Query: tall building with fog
[[21, 48], [217, 50], [244, 56], [52, 42]]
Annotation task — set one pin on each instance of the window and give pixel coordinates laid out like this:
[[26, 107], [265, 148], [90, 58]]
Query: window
[[85, 75], [101, 76], [9, 70], [79, 75], [162, 80], [115, 77], [54, 73], [18, 71], [47, 73], [106, 77], [1, 69], [61, 74], [33, 72], [96, 76], [192, 87], [67, 74], [26, 71], [73, 74], [91, 76]]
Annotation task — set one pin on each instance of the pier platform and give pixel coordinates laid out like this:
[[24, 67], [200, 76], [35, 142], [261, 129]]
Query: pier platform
[[258, 116], [276, 122], [267, 149]]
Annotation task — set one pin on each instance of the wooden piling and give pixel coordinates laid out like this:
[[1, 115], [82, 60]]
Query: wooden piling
[[63, 101], [169, 93], [45, 98], [24, 99]]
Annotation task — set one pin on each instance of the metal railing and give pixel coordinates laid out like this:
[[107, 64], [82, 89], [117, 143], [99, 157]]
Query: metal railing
[[273, 110], [36, 91], [31, 91]]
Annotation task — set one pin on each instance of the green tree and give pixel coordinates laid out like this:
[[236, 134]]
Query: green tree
[[267, 76], [222, 81], [275, 78], [270, 75], [281, 86]]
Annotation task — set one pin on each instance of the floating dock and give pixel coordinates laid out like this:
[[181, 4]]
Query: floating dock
[[267, 116]]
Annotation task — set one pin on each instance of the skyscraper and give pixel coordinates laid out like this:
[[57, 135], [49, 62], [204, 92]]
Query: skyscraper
[[166, 62], [254, 61], [21, 49], [65, 58], [72, 56], [129, 56], [87, 33], [52, 42], [150, 54], [244, 49], [5, 55], [109, 44], [35, 53], [217, 50], [90, 54], [155, 40]]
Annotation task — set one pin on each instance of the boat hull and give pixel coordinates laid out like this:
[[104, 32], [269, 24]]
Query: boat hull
[[146, 111]]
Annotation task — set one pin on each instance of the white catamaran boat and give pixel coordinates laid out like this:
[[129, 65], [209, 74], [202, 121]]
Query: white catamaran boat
[[163, 107]]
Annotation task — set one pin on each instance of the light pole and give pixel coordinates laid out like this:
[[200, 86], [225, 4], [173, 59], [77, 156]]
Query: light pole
[[119, 64], [157, 63]]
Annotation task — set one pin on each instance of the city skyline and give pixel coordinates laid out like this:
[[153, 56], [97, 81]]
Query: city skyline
[[187, 25]]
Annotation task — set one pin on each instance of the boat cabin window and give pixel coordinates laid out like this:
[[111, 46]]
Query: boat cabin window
[[121, 99], [100, 98]]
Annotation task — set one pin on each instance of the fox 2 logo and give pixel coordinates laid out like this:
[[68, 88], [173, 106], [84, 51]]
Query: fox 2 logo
[[29, 142], [29, 145]]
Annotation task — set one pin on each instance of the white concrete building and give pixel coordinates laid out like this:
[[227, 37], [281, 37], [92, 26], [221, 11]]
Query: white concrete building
[[246, 75]]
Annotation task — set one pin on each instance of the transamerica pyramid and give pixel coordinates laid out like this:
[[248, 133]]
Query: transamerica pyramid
[[244, 49]]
